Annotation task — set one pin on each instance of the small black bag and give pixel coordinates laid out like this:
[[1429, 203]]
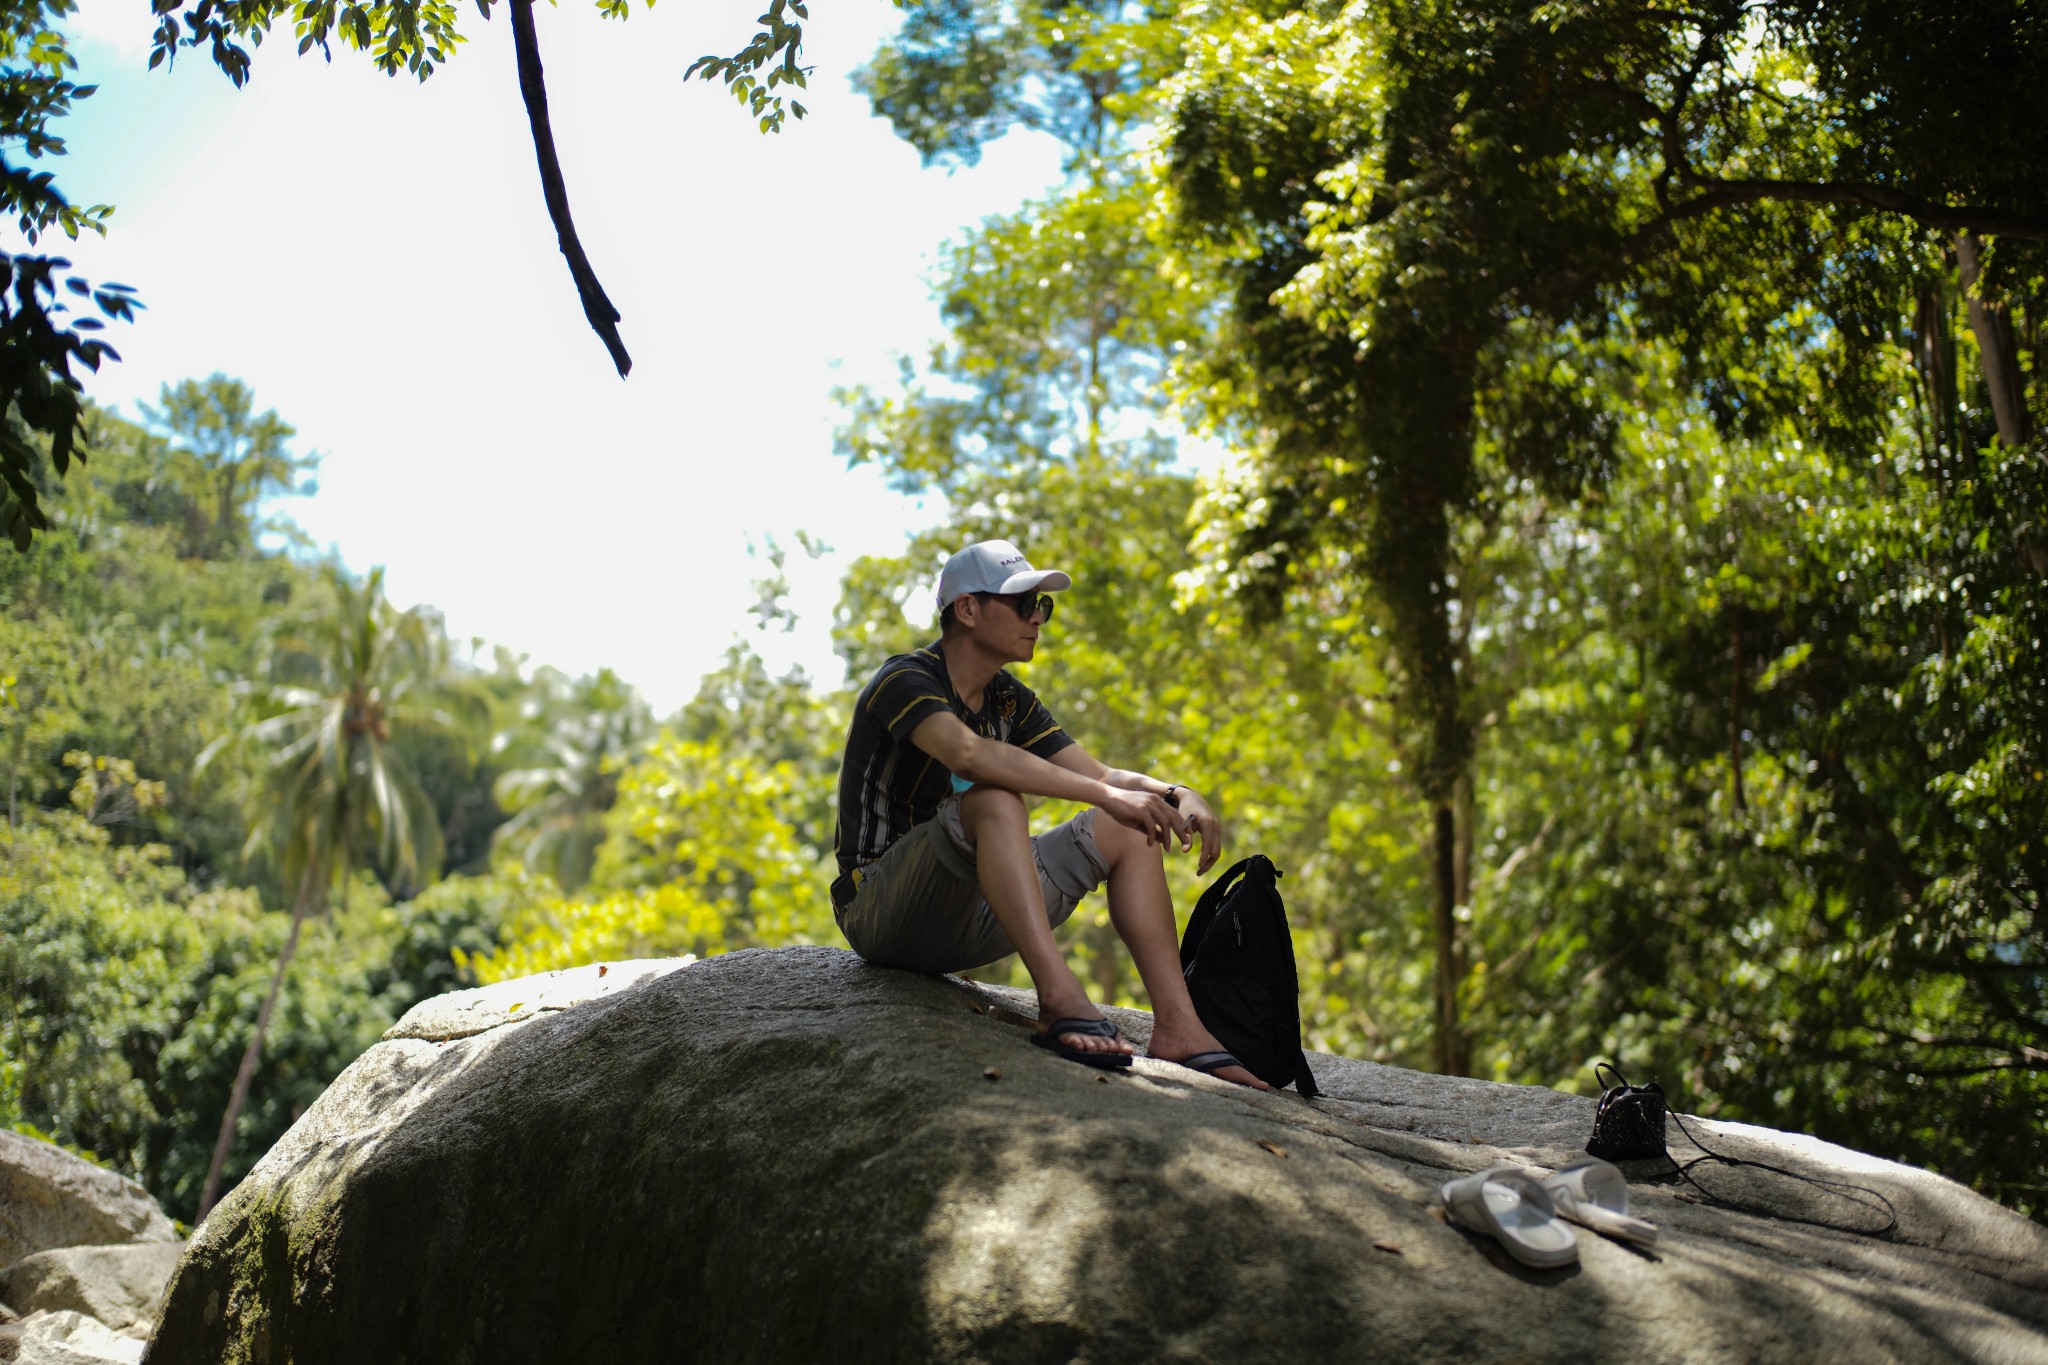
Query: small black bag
[[1628, 1125], [1238, 958]]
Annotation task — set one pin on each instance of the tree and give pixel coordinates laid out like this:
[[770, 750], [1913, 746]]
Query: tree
[[1791, 870], [242, 456], [336, 788], [120, 640], [134, 947], [124, 990], [1429, 208], [567, 748], [42, 401], [702, 855]]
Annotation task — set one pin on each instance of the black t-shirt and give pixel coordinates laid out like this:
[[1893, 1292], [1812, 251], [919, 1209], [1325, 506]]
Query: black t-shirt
[[886, 783]]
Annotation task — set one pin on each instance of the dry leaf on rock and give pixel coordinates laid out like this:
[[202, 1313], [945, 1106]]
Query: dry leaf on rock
[[1275, 1148]]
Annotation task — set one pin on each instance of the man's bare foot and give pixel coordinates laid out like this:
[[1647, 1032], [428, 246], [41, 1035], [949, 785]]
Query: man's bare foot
[[1081, 1007], [1178, 1045]]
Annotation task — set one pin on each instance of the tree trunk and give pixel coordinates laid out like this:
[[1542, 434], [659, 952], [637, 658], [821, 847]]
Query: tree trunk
[[245, 1075], [224, 513], [1447, 1044], [1640, 733], [1093, 394], [1937, 361], [1993, 328], [14, 766], [1464, 812], [1415, 479], [1461, 867], [1735, 697], [597, 308]]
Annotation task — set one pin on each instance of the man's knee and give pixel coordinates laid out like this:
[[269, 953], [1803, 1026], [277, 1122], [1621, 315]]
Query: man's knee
[[1117, 841], [984, 807]]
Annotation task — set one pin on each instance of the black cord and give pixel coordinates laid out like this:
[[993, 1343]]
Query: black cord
[[1654, 1093], [1842, 1188]]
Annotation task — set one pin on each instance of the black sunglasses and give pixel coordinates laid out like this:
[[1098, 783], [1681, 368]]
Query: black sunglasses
[[1023, 603]]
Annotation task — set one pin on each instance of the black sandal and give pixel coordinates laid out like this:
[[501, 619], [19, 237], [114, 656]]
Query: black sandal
[[1208, 1063], [1093, 1028]]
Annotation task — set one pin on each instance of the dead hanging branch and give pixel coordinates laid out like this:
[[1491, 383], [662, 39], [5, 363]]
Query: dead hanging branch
[[604, 318]]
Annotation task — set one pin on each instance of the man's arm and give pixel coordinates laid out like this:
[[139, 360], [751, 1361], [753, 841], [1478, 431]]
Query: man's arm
[[1195, 816], [999, 764]]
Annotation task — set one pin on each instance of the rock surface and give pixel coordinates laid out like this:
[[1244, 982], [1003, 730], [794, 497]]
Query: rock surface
[[791, 1156], [68, 1338], [463, 1014], [117, 1285], [50, 1199]]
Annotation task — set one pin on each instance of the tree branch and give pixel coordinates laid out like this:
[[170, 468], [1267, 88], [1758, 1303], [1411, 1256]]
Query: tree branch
[[604, 318], [1981, 1041], [1713, 194], [1936, 1073], [1515, 859]]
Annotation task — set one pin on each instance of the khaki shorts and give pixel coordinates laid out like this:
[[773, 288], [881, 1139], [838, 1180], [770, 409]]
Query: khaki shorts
[[919, 906]]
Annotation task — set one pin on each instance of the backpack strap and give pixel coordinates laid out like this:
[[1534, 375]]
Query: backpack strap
[[1206, 910]]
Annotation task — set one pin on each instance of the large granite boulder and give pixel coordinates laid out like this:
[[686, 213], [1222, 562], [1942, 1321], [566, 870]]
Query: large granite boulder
[[66, 1337], [791, 1156], [119, 1285], [50, 1199]]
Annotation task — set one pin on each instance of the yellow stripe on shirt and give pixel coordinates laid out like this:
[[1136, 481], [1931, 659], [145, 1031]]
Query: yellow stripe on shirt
[[913, 706]]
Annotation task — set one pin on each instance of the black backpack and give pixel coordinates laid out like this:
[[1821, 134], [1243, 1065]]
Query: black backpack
[[1238, 958]]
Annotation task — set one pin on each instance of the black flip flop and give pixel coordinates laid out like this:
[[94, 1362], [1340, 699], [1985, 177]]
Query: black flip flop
[[1208, 1063], [1093, 1028]]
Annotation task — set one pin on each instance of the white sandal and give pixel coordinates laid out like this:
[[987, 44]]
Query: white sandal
[[1508, 1203], [1594, 1194]]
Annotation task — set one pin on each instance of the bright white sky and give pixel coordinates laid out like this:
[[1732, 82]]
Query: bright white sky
[[373, 258]]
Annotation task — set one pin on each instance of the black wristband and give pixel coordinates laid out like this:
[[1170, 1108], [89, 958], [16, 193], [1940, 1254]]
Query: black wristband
[[1170, 798]]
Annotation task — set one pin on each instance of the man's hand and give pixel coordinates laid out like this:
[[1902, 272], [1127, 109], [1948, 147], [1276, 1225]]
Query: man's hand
[[1200, 820], [1131, 802], [1148, 814]]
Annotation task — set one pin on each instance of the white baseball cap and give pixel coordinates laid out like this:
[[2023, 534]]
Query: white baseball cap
[[995, 566]]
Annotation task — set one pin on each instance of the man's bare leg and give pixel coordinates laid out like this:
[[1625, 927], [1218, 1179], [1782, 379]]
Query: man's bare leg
[[998, 826], [1141, 908]]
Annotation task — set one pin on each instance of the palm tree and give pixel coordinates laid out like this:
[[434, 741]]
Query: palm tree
[[334, 789], [569, 750]]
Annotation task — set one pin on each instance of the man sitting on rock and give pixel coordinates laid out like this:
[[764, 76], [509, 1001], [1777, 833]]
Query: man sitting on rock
[[938, 868]]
